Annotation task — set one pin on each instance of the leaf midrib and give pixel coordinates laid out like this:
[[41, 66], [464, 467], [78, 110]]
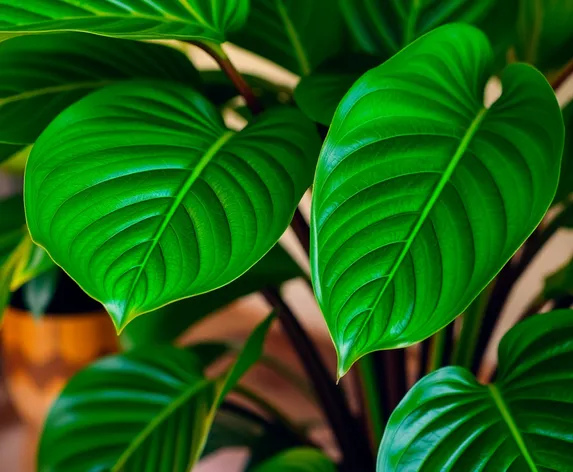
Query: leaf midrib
[[464, 143], [294, 39], [181, 193], [510, 422], [156, 421]]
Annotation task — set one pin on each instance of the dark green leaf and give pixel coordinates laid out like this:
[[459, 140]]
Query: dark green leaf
[[565, 188], [522, 422], [143, 195], [12, 226], [560, 283], [167, 323], [319, 94], [545, 33], [43, 75], [419, 187], [296, 34], [298, 460], [134, 19], [39, 292], [146, 410], [385, 27]]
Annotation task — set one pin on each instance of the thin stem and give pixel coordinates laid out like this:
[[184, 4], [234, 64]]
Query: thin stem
[[344, 426], [563, 76], [217, 53], [471, 322], [372, 399], [425, 347], [437, 347], [301, 229], [391, 372]]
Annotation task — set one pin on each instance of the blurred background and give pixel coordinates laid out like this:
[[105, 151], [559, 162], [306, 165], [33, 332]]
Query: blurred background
[[39, 355]]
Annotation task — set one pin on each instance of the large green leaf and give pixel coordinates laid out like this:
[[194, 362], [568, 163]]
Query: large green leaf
[[298, 460], [143, 195], [149, 410], [297, 34], [167, 323], [135, 19], [545, 33], [384, 27], [522, 422], [319, 93], [565, 188], [42, 75], [422, 194]]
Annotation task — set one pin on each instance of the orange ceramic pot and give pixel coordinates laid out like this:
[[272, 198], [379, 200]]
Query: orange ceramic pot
[[40, 355]]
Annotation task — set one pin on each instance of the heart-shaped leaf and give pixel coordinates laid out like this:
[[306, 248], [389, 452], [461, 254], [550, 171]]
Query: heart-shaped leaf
[[385, 27], [422, 194], [155, 407], [298, 460], [167, 323], [297, 34], [41, 76], [522, 422], [134, 19], [143, 195]]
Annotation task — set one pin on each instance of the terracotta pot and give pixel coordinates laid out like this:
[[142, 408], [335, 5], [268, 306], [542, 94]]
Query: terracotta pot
[[40, 356]]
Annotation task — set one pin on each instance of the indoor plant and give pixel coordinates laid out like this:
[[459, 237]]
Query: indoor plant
[[421, 196]]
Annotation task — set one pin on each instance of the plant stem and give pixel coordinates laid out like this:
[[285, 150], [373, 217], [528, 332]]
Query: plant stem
[[344, 426], [437, 348], [372, 399], [472, 318], [217, 53], [301, 229], [563, 76], [391, 372]]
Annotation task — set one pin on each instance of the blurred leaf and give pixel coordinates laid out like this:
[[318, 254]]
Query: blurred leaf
[[560, 283], [298, 460], [39, 292], [565, 188], [522, 422]]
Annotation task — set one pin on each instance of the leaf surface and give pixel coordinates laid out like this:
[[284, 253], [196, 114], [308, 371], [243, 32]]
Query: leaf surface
[[522, 422], [143, 195], [43, 75], [298, 460], [419, 187], [132, 19]]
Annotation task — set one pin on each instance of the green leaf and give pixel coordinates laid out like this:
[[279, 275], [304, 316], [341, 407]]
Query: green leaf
[[155, 407], [319, 94], [39, 292], [43, 75], [545, 33], [565, 188], [419, 187], [560, 283], [385, 27], [166, 324], [12, 226], [522, 422], [298, 460], [296, 34], [143, 195], [131, 19]]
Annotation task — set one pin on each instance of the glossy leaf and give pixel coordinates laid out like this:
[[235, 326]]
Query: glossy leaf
[[155, 405], [298, 460], [385, 27], [143, 195], [522, 422], [418, 188], [545, 33], [133, 19], [296, 34], [167, 323], [43, 75], [319, 94], [565, 188]]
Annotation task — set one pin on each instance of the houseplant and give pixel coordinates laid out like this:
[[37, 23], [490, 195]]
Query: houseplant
[[421, 201]]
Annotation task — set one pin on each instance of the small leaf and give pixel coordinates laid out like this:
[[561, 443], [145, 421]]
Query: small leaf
[[522, 422], [45, 74], [143, 195], [155, 405], [418, 188], [319, 94], [545, 33], [167, 323], [135, 19], [296, 34], [385, 27], [298, 460]]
